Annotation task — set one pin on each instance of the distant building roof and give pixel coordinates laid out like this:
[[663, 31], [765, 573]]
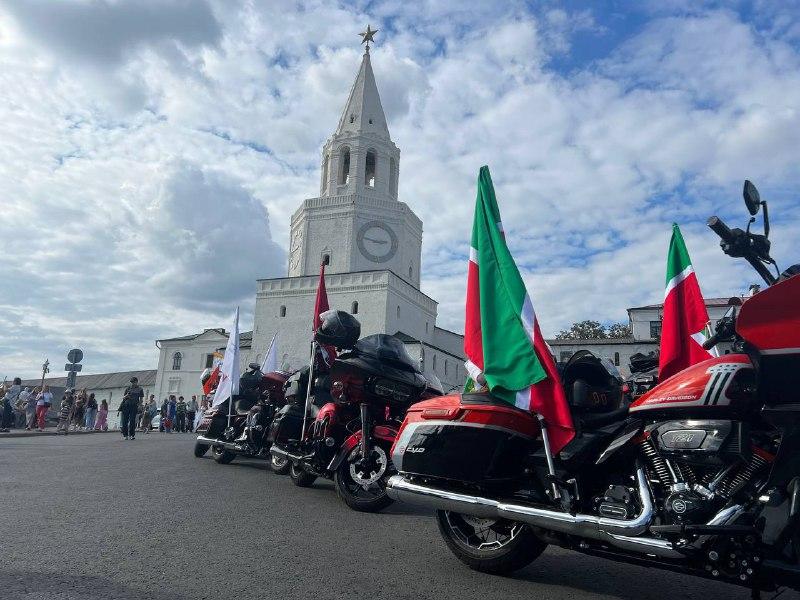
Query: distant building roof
[[99, 381], [607, 341], [245, 337], [709, 302], [407, 339]]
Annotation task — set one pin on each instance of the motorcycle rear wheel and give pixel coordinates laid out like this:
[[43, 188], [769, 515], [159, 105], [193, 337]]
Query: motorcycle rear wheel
[[300, 477], [279, 465], [488, 545], [200, 449], [222, 456]]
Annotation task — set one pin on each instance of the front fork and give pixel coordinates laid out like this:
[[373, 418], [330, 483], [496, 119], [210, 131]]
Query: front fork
[[365, 431]]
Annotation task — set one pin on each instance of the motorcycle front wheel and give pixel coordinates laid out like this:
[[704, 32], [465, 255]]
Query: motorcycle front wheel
[[200, 449], [363, 486], [496, 546], [221, 455], [279, 464], [299, 476]]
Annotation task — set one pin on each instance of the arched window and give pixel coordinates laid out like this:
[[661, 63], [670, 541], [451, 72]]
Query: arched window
[[445, 366], [392, 177], [344, 166], [434, 363], [326, 259], [616, 359], [354, 308], [325, 174], [176, 361], [283, 311], [410, 272], [371, 167], [398, 311], [426, 327]]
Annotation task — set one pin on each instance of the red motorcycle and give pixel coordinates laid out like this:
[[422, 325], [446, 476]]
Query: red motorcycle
[[699, 475], [354, 410]]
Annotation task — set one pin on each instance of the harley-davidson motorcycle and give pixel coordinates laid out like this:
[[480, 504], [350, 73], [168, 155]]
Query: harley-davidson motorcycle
[[260, 397], [700, 475], [355, 408]]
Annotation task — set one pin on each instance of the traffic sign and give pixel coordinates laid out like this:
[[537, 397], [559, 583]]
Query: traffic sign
[[75, 355], [72, 367]]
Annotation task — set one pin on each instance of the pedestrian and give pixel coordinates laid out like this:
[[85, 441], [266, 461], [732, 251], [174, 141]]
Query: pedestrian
[[180, 415], [172, 409], [128, 407], [91, 412], [79, 410], [162, 424], [30, 408], [140, 413], [44, 400], [101, 424], [149, 411], [191, 412], [65, 412], [9, 403]]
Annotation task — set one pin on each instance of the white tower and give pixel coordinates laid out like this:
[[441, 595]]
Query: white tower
[[356, 223]]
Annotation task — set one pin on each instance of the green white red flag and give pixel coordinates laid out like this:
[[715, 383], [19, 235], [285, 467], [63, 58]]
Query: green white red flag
[[685, 318], [502, 339]]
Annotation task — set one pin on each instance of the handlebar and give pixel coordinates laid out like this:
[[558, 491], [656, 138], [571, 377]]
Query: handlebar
[[738, 243]]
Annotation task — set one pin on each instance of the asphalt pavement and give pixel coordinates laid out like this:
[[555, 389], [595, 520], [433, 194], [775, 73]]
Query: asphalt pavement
[[95, 516]]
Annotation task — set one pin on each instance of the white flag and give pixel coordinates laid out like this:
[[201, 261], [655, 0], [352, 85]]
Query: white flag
[[229, 372], [270, 363]]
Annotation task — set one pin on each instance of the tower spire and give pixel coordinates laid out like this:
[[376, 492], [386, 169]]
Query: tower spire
[[363, 112]]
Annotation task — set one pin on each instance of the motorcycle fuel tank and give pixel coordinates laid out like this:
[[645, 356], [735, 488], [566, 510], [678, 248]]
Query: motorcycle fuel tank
[[723, 384]]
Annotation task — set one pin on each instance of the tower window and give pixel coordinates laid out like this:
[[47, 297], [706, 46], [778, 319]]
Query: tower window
[[410, 272], [344, 166], [369, 173], [434, 363], [616, 359], [352, 118], [398, 311], [326, 259], [282, 311], [370, 121], [354, 308], [445, 366], [176, 361]]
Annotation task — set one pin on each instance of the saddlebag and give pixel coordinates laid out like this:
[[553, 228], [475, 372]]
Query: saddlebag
[[471, 438], [287, 424]]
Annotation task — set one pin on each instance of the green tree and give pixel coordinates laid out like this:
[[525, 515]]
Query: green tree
[[618, 330], [583, 330]]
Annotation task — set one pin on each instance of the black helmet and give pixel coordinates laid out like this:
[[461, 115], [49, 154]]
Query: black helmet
[[338, 328]]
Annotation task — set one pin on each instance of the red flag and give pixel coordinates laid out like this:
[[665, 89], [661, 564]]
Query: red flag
[[320, 306]]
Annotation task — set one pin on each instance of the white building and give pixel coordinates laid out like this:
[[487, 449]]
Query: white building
[[645, 326], [371, 244]]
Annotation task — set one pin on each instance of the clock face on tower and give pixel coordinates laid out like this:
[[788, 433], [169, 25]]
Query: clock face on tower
[[376, 241]]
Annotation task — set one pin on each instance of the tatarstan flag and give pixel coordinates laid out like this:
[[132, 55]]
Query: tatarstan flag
[[502, 339], [683, 328]]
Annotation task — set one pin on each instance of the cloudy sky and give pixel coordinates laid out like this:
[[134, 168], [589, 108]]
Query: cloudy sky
[[152, 152]]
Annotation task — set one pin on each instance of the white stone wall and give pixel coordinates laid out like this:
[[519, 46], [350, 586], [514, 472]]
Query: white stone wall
[[186, 380]]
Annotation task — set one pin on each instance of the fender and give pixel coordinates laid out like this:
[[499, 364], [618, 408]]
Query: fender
[[380, 432]]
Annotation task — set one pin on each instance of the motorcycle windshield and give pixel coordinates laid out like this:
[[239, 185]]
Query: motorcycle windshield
[[387, 349], [770, 320]]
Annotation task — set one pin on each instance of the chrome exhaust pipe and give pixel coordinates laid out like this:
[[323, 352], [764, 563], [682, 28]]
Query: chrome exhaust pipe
[[617, 532], [281, 453], [232, 446]]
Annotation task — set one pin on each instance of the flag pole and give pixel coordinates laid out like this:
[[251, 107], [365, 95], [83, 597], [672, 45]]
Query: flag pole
[[548, 453], [308, 389]]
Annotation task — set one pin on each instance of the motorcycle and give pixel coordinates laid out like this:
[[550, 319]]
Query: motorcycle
[[355, 408], [245, 431], [700, 475], [643, 377]]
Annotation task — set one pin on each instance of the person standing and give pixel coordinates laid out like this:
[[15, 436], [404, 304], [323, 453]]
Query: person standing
[[65, 412], [172, 409], [129, 407], [9, 403], [149, 412], [91, 412], [191, 413], [43, 402], [101, 424], [180, 415], [79, 410], [162, 423], [30, 408]]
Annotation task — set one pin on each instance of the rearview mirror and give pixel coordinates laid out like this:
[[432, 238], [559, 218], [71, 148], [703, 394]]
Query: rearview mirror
[[752, 199]]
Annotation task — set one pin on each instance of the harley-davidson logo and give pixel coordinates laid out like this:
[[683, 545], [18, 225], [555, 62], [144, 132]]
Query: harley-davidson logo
[[415, 450]]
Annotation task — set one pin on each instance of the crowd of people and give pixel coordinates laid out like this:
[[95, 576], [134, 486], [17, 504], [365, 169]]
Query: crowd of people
[[79, 410]]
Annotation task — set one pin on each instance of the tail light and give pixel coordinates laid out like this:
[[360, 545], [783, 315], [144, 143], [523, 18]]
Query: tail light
[[447, 414]]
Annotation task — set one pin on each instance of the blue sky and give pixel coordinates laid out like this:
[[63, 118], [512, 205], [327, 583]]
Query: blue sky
[[137, 138]]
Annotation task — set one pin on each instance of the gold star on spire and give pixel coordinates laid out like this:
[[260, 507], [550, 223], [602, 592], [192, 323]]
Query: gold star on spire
[[368, 36]]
